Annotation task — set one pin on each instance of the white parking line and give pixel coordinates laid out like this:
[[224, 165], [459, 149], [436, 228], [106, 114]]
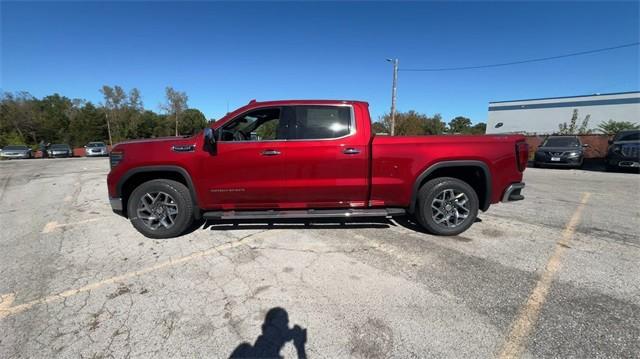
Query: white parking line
[[52, 226], [6, 308], [528, 314]]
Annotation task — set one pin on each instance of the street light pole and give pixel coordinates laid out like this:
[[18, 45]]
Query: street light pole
[[393, 94]]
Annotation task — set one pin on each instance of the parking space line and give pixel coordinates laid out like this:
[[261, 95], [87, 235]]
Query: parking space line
[[528, 314], [52, 226], [6, 308]]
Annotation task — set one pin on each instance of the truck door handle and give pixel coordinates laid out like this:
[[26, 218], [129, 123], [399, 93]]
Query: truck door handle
[[351, 151], [270, 153]]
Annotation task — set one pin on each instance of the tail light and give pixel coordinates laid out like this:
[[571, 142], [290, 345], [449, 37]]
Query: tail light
[[522, 155]]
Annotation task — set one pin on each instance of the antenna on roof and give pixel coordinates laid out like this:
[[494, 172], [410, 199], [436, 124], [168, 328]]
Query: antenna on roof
[[252, 101]]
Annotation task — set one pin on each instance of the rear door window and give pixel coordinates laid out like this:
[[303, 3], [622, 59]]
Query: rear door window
[[321, 122]]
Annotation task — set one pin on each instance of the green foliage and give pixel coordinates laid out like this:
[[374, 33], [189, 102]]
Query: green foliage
[[379, 128], [459, 124], [25, 119], [572, 127], [612, 127], [267, 131], [176, 104], [86, 125], [479, 128], [411, 123], [192, 121], [11, 138]]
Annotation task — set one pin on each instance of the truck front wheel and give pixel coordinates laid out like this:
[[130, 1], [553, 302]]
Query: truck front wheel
[[160, 208], [447, 206]]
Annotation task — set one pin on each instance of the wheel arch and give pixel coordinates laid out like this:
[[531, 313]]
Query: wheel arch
[[475, 173], [136, 176]]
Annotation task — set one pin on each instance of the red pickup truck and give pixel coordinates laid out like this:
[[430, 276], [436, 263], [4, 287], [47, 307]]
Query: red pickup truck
[[311, 159]]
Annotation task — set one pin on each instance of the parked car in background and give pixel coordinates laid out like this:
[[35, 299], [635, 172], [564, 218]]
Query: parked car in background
[[16, 151], [560, 151], [624, 150], [96, 149], [60, 150]]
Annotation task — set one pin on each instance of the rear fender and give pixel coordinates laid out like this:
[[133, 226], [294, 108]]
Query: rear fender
[[451, 164]]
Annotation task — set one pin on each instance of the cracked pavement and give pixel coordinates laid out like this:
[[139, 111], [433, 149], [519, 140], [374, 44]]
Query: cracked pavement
[[78, 281]]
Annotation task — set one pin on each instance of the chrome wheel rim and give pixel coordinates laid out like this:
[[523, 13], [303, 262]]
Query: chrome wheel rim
[[157, 209], [450, 208]]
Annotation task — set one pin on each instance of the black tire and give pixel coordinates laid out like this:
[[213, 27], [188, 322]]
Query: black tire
[[181, 198], [435, 187]]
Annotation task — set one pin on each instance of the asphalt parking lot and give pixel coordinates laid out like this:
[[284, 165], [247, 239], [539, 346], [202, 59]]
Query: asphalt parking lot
[[556, 275]]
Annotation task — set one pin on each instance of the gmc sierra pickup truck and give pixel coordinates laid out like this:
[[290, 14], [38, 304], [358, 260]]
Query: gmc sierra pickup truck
[[311, 159]]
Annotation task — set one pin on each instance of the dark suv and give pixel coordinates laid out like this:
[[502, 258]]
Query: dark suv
[[561, 151], [624, 150]]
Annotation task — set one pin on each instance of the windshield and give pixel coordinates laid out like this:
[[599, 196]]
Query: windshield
[[628, 136], [96, 144], [561, 142], [59, 146], [15, 148]]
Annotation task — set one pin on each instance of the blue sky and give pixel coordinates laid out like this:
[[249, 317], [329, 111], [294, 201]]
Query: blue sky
[[229, 53]]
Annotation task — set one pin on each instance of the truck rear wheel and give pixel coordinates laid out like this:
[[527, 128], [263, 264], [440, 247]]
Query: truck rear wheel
[[160, 208], [447, 206]]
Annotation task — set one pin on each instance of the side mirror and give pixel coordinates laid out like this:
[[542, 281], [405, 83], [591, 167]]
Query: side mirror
[[209, 139], [209, 136], [585, 145]]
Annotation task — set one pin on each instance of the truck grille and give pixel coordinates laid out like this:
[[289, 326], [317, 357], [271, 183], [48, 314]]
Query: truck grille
[[631, 150], [555, 154]]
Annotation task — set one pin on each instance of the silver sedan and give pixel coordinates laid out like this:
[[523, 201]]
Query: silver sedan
[[16, 151]]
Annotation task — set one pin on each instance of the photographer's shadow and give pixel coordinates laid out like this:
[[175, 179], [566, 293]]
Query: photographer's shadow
[[275, 334]]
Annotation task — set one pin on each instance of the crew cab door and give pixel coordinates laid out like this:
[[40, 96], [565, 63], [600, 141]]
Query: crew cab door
[[247, 168], [326, 163]]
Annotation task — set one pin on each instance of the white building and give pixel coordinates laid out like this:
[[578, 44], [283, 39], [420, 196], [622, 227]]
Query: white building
[[544, 115]]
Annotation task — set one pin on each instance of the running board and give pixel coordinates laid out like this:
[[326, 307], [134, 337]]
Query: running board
[[305, 213]]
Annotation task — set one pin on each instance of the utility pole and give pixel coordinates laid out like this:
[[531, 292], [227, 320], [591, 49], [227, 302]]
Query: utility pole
[[176, 123], [109, 128], [393, 94]]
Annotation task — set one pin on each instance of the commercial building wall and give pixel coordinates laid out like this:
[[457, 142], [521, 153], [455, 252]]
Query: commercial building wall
[[543, 116]]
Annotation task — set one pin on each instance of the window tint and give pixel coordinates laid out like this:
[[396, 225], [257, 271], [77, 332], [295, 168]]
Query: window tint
[[317, 122], [258, 125], [561, 142], [15, 148], [628, 136]]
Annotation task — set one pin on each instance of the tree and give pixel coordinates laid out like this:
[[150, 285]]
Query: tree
[[176, 103], [434, 125], [18, 115], [379, 128], [459, 124], [87, 125], [479, 128], [114, 100], [27, 120], [192, 121], [572, 128], [412, 123], [611, 127]]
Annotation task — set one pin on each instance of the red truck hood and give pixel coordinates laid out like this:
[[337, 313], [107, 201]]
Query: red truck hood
[[157, 141]]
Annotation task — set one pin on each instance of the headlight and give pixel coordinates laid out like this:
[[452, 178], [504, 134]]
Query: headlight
[[115, 158], [573, 154]]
